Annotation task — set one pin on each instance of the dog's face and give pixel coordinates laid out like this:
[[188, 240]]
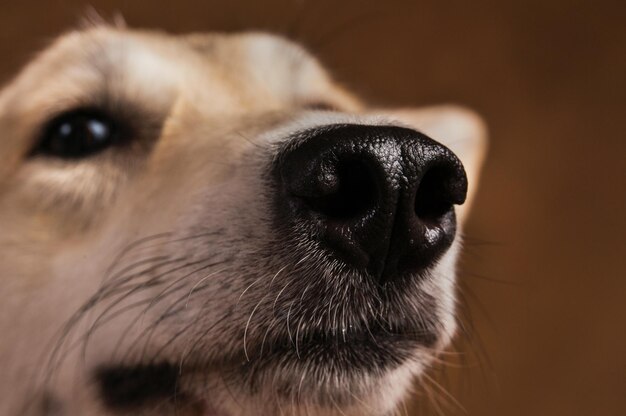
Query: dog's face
[[209, 224]]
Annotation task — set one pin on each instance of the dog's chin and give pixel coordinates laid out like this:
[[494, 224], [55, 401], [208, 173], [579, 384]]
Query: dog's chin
[[340, 370], [344, 369]]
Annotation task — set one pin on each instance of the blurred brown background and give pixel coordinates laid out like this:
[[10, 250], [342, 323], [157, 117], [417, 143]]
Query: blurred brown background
[[545, 268]]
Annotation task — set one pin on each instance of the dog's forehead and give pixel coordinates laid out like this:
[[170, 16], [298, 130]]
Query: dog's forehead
[[272, 68], [236, 70]]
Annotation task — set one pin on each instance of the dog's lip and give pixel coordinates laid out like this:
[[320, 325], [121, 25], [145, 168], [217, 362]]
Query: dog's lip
[[373, 333], [370, 335], [347, 347]]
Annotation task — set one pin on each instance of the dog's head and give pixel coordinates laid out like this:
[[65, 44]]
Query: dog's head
[[210, 223]]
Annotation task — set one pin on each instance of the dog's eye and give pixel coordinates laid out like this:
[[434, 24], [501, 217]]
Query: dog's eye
[[78, 134]]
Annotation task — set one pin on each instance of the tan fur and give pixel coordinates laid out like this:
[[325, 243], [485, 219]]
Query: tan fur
[[205, 103]]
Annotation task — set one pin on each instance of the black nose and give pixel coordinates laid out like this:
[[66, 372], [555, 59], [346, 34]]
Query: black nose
[[380, 198]]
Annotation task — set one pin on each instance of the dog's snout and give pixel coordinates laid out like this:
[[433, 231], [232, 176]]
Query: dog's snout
[[378, 197]]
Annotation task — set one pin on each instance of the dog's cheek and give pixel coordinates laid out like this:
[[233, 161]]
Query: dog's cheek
[[443, 287]]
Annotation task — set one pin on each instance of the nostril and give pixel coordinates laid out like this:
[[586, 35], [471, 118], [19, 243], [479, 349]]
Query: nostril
[[437, 191], [349, 190]]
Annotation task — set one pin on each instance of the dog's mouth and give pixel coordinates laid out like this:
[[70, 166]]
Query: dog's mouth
[[359, 350], [345, 354]]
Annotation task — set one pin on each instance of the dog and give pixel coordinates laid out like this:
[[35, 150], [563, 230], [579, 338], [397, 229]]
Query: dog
[[208, 224]]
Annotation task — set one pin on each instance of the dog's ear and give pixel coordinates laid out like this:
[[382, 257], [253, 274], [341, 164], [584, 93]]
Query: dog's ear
[[460, 129]]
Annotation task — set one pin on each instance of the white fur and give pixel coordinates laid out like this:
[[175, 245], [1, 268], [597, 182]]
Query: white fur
[[199, 198]]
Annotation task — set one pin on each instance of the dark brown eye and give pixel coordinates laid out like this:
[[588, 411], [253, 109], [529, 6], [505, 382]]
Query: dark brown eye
[[78, 134]]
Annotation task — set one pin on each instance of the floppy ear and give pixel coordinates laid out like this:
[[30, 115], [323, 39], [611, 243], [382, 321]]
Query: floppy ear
[[459, 129]]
